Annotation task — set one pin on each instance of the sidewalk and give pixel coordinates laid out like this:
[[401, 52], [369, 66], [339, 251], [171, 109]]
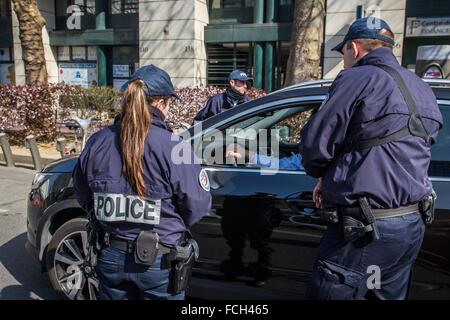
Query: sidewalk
[[47, 152]]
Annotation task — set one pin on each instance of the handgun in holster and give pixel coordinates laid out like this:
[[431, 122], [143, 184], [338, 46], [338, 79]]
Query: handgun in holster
[[367, 212], [93, 231], [427, 207], [182, 260]]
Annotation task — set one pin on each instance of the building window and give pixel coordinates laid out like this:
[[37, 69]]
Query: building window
[[125, 61], [124, 6], [7, 74], [86, 6], [226, 57], [218, 4], [231, 3], [5, 55], [5, 10], [77, 53], [63, 54]]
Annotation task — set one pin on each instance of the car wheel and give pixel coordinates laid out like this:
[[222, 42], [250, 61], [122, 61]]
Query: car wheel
[[70, 274]]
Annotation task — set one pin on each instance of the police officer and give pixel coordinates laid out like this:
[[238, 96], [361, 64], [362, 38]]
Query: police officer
[[369, 145], [238, 85], [142, 201]]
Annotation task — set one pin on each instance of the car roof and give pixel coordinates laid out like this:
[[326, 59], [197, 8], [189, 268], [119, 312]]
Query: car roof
[[441, 89], [274, 96]]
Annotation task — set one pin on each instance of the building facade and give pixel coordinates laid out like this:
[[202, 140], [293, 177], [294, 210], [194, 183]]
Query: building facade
[[341, 14], [415, 23], [200, 41]]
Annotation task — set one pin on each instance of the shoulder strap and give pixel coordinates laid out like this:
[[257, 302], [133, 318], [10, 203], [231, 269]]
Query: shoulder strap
[[414, 127], [410, 102]]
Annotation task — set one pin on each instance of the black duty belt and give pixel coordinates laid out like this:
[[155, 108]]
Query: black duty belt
[[380, 213], [358, 221], [335, 215], [129, 245]]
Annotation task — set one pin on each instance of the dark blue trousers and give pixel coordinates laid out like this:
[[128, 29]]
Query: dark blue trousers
[[123, 279], [359, 270]]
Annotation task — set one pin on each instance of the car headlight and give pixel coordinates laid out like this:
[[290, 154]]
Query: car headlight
[[41, 181], [39, 178]]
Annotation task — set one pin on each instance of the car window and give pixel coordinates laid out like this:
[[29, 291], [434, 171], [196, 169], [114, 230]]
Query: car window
[[290, 127], [440, 151], [254, 140]]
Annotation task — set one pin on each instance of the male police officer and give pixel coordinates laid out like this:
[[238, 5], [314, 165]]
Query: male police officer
[[239, 83], [369, 145]]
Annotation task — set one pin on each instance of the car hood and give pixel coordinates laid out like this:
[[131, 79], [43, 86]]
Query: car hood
[[66, 164]]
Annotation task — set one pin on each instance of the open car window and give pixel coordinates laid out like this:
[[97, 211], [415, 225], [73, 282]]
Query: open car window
[[256, 138]]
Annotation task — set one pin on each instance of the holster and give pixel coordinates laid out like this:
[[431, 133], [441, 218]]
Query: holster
[[182, 260], [354, 223], [182, 271], [93, 232], [329, 215], [353, 229], [370, 218], [146, 248], [427, 207]]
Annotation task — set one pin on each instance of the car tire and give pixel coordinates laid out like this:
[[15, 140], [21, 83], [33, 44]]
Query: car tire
[[69, 273]]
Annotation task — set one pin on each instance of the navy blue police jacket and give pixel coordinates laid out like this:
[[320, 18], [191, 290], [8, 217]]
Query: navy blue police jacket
[[178, 193], [217, 104], [364, 102]]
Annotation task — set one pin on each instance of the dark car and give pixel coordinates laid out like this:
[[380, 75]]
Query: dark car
[[270, 211]]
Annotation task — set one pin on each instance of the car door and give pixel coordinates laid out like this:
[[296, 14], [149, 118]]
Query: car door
[[261, 216]]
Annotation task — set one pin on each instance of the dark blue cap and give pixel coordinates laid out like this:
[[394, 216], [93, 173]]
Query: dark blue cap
[[366, 28], [239, 75], [157, 80]]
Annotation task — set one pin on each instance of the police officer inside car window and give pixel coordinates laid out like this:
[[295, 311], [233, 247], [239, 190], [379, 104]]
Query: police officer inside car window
[[369, 145], [143, 203], [238, 85]]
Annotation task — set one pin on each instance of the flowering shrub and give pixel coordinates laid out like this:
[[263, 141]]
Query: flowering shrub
[[88, 101], [28, 110], [192, 100]]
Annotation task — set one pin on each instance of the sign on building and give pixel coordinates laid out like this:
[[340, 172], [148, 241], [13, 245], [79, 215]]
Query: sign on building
[[121, 71], [426, 27], [78, 74]]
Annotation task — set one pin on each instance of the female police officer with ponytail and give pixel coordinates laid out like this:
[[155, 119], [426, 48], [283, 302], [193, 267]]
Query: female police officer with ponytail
[[142, 201]]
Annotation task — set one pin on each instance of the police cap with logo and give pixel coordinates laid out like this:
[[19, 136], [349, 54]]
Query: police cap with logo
[[366, 28]]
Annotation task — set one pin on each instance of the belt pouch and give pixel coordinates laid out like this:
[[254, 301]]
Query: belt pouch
[[146, 248]]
